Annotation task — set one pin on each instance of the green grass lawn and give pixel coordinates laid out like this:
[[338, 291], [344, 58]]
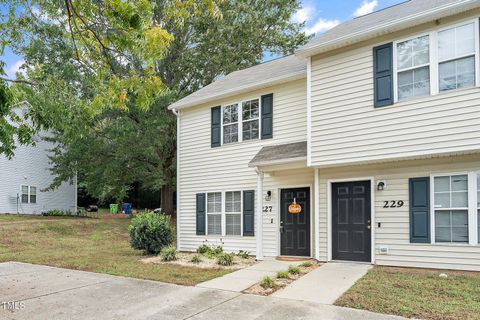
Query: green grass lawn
[[417, 293], [90, 244]]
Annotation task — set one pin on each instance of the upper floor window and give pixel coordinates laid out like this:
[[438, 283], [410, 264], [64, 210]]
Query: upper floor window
[[413, 66], [230, 123], [241, 125], [437, 62], [250, 118], [456, 57]]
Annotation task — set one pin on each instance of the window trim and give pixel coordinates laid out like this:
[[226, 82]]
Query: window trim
[[471, 209], [224, 213], [29, 193], [240, 119], [434, 59], [396, 71]]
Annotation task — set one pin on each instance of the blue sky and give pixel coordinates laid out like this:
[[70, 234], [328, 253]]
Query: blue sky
[[320, 15]]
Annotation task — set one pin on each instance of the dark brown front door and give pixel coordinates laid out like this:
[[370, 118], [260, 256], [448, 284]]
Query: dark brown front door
[[295, 227], [351, 221]]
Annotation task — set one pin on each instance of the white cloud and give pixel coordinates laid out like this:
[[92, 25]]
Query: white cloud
[[303, 14], [321, 25], [365, 8], [14, 68]]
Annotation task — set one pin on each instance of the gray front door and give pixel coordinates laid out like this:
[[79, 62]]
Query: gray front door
[[295, 227], [351, 221]]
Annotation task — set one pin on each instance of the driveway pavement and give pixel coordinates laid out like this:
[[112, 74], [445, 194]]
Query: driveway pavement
[[41, 292]]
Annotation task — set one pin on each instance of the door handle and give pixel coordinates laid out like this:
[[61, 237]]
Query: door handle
[[281, 229]]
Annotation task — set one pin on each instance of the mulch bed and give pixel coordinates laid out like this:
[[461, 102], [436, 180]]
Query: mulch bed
[[281, 283]]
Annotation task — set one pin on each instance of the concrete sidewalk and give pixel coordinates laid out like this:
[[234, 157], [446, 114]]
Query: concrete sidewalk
[[42, 292], [325, 284], [242, 279]]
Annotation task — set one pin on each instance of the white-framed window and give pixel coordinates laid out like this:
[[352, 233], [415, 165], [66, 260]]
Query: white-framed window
[[224, 213], [451, 208], [214, 213], [456, 57], [250, 119], [241, 121], [230, 123], [455, 208], [28, 194], [441, 60], [413, 67], [24, 196], [233, 213], [33, 194]]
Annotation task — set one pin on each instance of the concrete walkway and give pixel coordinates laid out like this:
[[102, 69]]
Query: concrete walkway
[[41, 292], [242, 279], [325, 284]]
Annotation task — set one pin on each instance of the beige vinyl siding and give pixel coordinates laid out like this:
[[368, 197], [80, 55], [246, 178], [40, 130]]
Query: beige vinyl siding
[[225, 168], [394, 231], [347, 129]]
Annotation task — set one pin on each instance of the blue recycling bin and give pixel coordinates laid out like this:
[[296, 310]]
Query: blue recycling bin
[[127, 208]]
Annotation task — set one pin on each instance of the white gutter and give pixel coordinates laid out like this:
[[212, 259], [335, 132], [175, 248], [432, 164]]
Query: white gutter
[[240, 89], [388, 27]]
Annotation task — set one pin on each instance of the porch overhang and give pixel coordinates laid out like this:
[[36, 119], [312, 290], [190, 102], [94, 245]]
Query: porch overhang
[[281, 157]]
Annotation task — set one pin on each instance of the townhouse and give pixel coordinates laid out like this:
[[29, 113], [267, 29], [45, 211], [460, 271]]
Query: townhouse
[[363, 146]]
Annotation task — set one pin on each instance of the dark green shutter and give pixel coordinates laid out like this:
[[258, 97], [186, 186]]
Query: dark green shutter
[[420, 210], [248, 213], [216, 126], [383, 75], [267, 116], [200, 221]]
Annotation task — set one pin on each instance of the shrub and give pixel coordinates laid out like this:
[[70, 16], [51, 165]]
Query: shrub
[[168, 253], [150, 232], [243, 254], [307, 264], [204, 248], [293, 270], [209, 251], [282, 275], [268, 282], [54, 212], [196, 259], [225, 259]]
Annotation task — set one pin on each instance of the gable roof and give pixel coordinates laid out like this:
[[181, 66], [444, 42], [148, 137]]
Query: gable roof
[[395, 18], [266, 74]]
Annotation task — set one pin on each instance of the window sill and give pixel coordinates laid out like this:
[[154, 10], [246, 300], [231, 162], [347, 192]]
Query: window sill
[[419, 100], [240, 142]]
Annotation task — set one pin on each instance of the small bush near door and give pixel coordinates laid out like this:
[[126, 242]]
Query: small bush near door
[[151, 232]]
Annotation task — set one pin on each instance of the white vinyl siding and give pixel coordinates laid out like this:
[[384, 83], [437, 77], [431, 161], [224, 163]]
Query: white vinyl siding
[[347, 129], [224, 169], [30, 168], [394, 230], [478, 206]]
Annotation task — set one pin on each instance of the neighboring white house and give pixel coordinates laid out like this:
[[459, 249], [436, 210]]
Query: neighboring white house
[[364, 146], [23, 178]]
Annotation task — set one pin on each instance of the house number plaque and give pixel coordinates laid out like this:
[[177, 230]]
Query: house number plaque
[[393, 204]]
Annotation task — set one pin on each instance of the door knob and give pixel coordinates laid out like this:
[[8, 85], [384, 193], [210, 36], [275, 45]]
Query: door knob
[[369, 227]]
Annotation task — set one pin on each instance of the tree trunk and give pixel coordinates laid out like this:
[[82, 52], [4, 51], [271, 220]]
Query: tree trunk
[[167, 200]]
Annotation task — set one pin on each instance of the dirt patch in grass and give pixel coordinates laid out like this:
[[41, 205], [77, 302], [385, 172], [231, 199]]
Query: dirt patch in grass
[[417, 293], [91, 244], [280, 283], [184, 259]]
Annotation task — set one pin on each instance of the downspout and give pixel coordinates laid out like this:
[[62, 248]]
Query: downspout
[[259, 217], [177, 218]]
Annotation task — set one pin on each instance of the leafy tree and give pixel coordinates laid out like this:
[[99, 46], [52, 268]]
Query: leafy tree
[[100, 75]]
